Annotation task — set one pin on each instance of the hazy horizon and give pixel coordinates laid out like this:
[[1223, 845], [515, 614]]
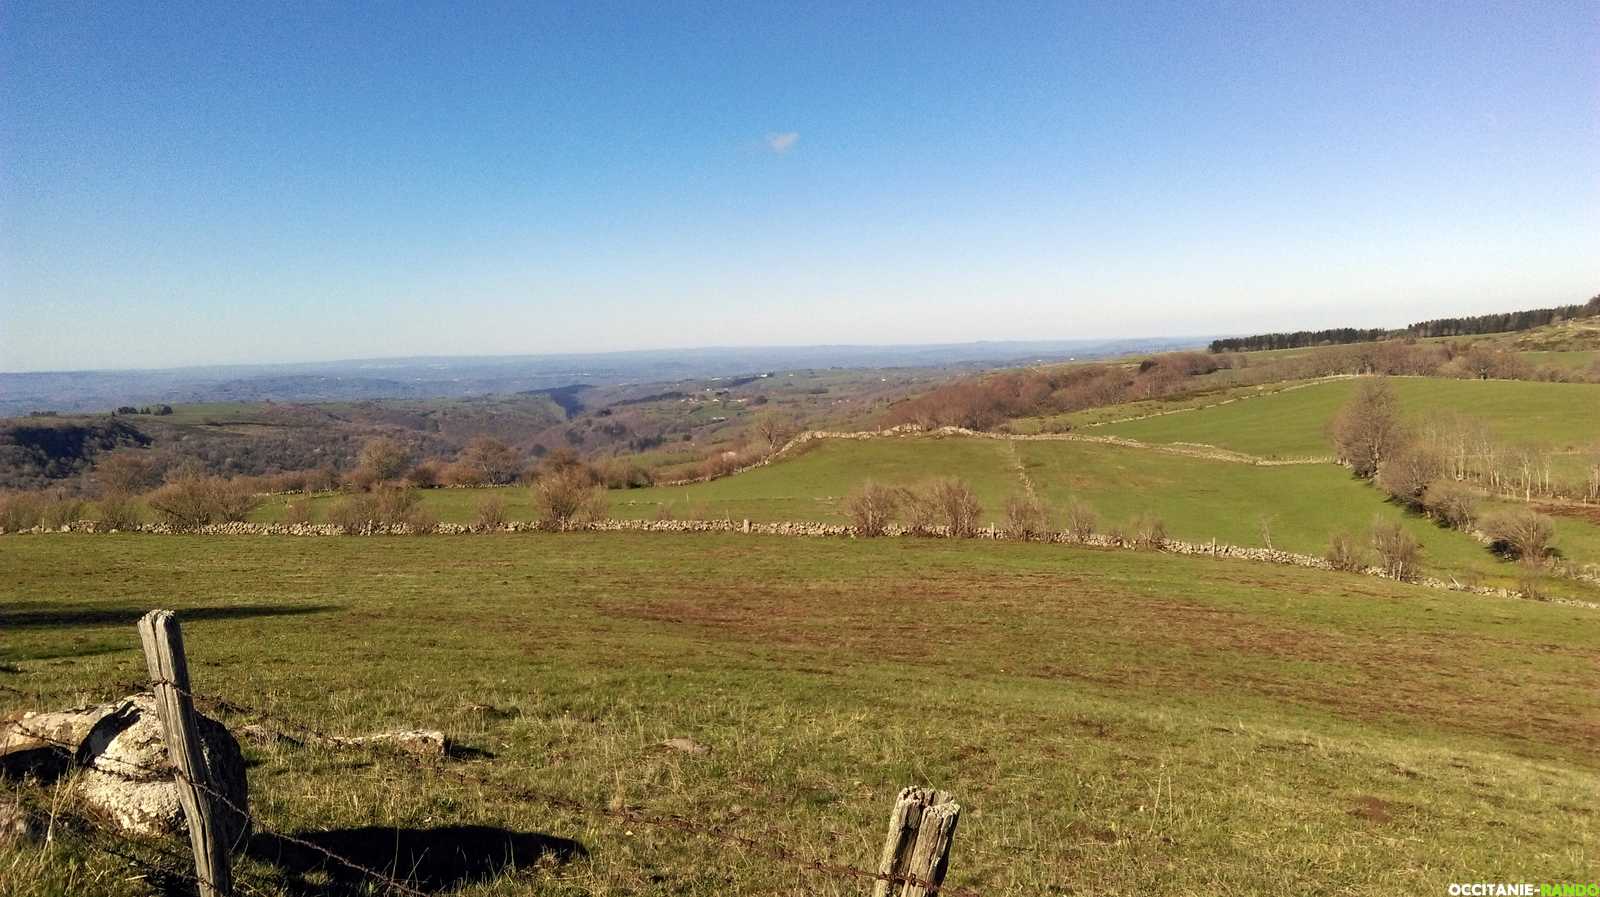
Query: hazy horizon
[[223, 186]]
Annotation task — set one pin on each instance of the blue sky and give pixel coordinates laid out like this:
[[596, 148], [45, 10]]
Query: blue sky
[[205, 183]]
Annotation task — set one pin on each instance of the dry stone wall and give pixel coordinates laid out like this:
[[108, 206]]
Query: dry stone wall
[[800, 528]]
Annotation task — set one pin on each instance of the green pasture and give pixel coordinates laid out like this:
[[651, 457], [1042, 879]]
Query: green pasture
[[1113, 722], [1299, 507], [1293, 423]]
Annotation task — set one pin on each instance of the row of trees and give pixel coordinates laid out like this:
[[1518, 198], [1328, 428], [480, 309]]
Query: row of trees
[[947, 506], [1299, 339], [986, 402], [1430, 469], [1506, 322]]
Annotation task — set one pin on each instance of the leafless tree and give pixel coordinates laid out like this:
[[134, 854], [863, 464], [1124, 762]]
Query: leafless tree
[[1368, 428], [383, 459], [1345, 553], [871, 506], [496, 463], [1399, 551], [1408, 471], [1026, 517], [1080, 520]]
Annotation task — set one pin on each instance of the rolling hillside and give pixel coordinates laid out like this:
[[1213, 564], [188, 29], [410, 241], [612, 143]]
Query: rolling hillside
[[1299, 506], [1293, 423]]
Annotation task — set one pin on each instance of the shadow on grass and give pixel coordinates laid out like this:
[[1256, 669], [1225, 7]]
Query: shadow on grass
[[47, 614], [431, 859]]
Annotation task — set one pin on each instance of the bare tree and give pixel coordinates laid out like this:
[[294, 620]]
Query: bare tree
[[495, 462], [1407, 473], [1345, 553], [1080, 520], [776, 429], [1368, 428], [946, 503], [1451, 503], [871, 506], [126, 471], [1026, 517], [490, 515], [383, 459], [1399, 551]]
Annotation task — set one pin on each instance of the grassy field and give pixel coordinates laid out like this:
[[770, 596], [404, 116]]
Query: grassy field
[[1294, 423], [1113, 722], [1198, 499]]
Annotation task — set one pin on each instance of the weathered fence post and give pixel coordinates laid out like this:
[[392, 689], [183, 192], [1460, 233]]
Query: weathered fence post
[[921, 830], [169, 676]]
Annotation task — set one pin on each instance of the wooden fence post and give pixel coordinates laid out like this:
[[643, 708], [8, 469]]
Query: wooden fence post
[[169, 677], [930, 858], [921, 830]]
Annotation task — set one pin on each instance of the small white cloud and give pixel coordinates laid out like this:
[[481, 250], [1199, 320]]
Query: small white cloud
[[782, 143]]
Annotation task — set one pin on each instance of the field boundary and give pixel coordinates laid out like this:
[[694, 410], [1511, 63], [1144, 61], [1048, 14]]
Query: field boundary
[[805, 529], [917, 431]]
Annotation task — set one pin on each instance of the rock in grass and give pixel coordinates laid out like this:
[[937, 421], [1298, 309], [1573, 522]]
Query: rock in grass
[[43, 744], [422, 742], [128, 777]]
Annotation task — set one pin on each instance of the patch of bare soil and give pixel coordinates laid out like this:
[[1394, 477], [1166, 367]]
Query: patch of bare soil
[[1373, 809]]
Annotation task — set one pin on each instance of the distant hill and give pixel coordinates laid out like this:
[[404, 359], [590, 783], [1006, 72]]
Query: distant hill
[[462, 376]]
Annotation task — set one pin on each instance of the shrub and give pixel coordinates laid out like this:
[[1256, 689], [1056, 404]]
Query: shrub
[[626, 475], [1521, 534], [192, 499], [491, 514], [20, 510], [1149, 531], [460, 474], [921, 516], [1345, 553], [126, 471], [426, 474], [1451, 503], [567, 498], [954, 506], [354, 514], [1398, 551], [1080, 520], [59, 510], [871, 506], [1529, 585], [1026, 517], [120, 511], [322, 479], [385, 506], [297, 511], [1407, 473]]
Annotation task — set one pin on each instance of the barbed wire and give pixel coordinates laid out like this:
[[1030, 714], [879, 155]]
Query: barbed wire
[[228, 802], [766, 845]]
